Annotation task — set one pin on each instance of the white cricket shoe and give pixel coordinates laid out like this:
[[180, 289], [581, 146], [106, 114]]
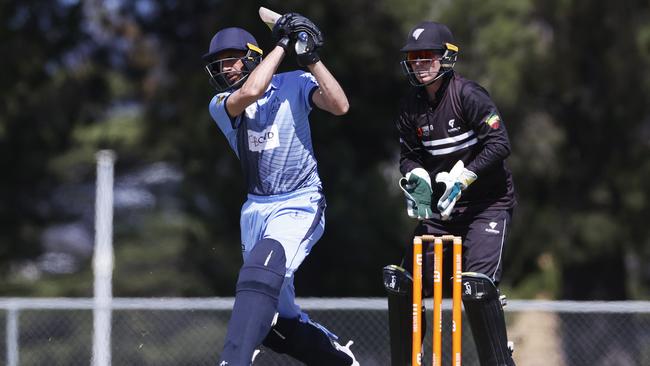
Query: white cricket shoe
[[346, 349], [255, 354]]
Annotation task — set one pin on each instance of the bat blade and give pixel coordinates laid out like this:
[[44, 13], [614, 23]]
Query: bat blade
[[268, 16]]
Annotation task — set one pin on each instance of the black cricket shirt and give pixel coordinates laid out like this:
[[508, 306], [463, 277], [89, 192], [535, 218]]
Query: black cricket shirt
[[463, 123]]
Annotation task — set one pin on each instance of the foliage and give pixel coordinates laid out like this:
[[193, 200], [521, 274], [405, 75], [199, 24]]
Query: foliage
[[568, 77]]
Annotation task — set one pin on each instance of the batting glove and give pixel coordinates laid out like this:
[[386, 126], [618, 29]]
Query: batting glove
[[308, 39], [305, 50], [455, 181], [299, 23], [417, 189], [281, 32]]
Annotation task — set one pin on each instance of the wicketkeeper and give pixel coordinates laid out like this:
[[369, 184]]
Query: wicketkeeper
[[264, 117], [453, 149]]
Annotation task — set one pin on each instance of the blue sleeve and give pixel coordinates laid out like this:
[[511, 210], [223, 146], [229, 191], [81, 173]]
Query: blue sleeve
[[308, 85], [228, 125]]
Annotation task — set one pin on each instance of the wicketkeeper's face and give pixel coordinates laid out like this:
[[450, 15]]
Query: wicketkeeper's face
[[425, 64]]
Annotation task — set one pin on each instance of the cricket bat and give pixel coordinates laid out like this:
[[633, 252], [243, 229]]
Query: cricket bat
[[269, 16]]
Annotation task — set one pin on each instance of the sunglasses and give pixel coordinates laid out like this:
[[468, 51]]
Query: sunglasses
[[422, 55]]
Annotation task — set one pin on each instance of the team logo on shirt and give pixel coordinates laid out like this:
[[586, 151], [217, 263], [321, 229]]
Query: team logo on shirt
[[424, 131], [267, 139], [492, 228], [493, 120]]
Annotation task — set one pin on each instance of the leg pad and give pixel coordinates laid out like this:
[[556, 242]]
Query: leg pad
[[485, 313], [306, 341], [258, 287], [399, 286]]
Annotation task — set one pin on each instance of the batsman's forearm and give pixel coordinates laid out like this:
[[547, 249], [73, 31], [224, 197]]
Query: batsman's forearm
[[336, 102], [260, 78]]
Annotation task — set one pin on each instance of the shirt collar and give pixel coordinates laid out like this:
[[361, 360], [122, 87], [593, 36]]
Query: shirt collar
[[274, 84]]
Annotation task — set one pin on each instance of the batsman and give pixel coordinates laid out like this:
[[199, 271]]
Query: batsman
[[264, 117], [453, 147]]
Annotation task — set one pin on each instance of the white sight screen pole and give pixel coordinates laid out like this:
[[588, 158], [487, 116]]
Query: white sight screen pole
[[103, 260]]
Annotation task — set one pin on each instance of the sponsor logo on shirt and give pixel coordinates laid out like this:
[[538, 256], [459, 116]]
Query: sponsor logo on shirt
[[491, 229], [265, 140], [493, 121], [452, 126]]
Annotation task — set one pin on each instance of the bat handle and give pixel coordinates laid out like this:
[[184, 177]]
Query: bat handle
[[302, 44]]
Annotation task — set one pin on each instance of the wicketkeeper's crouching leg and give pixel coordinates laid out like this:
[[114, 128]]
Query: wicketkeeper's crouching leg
[[483, 309], [485, 313], [309, 342], [399, 286]]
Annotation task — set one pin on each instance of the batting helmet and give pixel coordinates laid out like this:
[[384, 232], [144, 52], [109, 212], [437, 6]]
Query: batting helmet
[[231, 39]]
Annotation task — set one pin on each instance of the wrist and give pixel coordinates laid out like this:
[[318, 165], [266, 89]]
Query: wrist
[[285, 43], [309, 58], [467, 177]]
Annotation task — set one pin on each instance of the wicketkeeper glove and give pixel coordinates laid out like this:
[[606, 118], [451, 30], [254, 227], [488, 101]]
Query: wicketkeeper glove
[[455, 181], [417, 189]]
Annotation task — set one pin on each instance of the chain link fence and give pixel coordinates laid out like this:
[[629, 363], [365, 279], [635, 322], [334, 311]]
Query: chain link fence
[[179, 332]]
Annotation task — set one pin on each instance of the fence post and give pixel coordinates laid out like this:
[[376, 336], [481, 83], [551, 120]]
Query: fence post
[[12, 336], [103, 260]]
